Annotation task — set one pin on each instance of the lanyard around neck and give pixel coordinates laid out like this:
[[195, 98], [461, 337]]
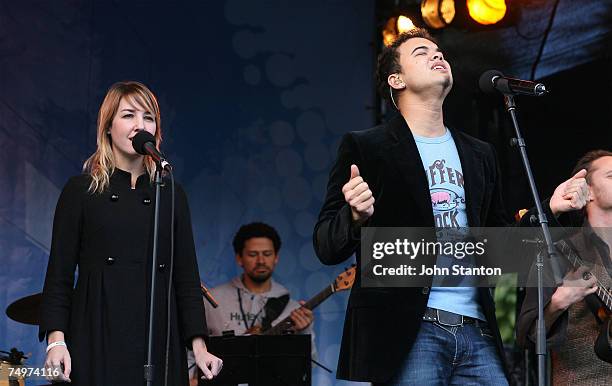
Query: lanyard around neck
[[244, 317]]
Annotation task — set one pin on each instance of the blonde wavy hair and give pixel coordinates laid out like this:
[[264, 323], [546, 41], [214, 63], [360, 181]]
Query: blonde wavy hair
[[101, 164]]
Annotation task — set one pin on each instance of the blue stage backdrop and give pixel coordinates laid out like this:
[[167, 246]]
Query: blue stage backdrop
[[254, 96]]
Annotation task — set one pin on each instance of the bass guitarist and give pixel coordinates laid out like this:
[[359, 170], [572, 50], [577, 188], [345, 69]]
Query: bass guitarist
[[254, 301]]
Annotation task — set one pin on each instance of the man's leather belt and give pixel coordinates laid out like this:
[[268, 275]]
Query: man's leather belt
[[447, 318]]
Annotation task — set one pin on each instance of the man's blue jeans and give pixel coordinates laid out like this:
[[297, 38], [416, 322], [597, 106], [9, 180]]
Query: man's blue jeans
[[458, 355]]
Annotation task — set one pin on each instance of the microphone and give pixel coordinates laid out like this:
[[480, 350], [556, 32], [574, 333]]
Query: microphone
[[144, 143], [494, 80]]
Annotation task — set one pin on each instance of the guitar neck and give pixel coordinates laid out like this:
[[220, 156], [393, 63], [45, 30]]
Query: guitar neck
[[311, 304], [320, 297], [605, 297], [602, 293]]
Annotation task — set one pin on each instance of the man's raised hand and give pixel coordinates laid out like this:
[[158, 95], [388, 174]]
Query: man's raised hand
[[358, 195], [572, 194]]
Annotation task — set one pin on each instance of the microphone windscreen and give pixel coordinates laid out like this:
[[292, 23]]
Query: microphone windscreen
[[140, 139], [486, 81]]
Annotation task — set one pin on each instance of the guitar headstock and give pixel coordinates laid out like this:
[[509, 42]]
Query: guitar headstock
[[346, 279]]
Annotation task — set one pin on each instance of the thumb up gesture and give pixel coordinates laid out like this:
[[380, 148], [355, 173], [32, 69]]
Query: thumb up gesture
[[572, 194], [358, 195]]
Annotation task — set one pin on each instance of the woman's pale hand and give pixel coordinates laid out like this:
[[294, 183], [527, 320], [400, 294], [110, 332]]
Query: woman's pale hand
[[57, 357], [207, 362]]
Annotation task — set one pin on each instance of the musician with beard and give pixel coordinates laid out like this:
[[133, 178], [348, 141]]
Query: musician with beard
[[253, 301], [577, 330]]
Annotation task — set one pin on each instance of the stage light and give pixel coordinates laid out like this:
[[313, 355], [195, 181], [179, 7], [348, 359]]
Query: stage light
[[487, 11], [438, 13], [389, 33], [519, 215], [404, 24], [395, 26]]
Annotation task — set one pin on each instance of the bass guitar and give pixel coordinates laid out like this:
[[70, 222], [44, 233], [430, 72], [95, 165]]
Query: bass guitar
[[343, 282]]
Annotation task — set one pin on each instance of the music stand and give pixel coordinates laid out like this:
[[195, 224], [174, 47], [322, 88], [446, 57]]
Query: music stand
[[262, 360]]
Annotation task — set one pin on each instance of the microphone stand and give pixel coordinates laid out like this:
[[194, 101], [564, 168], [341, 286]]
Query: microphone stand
[[149, 367], [550, 249]]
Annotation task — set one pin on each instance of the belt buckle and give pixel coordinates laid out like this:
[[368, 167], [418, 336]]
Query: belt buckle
[[432, 318], [449, 319]]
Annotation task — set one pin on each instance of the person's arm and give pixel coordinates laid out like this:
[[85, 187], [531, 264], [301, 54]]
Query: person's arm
[[207, 362], [556, 330], [59, 279], [337, 232], [186, 280], [303, 320], [574, 289], [570, 195], [556, 304], [187, 288], [560, 209], [58, 356]]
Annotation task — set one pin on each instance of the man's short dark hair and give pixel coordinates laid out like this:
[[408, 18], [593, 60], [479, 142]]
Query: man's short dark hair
[[587, 161], [255, 229], [389, 61]]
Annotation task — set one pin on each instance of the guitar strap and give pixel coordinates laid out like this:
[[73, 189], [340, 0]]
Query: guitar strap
[[244, 316], [272, 310]]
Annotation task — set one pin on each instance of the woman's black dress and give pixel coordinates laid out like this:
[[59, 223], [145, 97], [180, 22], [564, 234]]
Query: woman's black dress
[[108, 237]]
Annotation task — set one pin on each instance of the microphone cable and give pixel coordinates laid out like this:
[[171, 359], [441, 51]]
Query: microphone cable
[[551, 21]]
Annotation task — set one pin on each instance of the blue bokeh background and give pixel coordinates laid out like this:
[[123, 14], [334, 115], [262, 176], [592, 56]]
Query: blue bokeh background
[[255, 96]]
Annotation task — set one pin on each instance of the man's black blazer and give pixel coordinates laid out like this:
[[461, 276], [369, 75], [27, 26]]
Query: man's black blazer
[[381, 324]]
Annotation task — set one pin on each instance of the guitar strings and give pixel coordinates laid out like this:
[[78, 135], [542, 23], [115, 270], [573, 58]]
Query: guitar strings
[[567, 250]]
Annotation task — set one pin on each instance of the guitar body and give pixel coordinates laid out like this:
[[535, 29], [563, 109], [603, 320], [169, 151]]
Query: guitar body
[[602, 311], [255, 330]]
